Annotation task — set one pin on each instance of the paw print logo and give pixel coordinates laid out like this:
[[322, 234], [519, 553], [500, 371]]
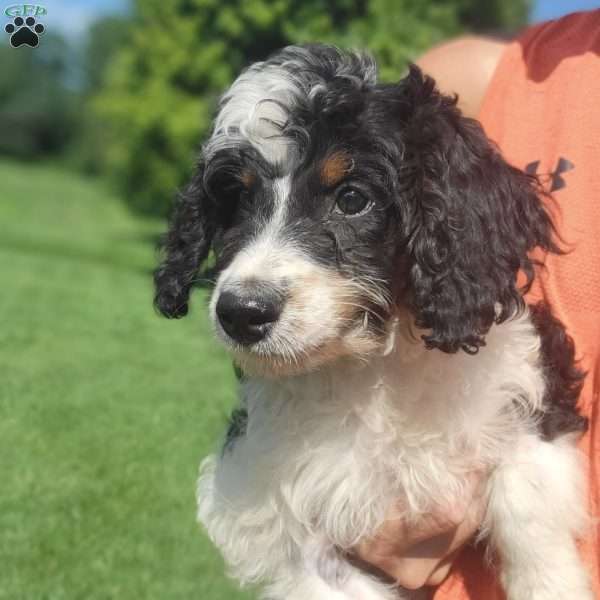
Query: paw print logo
[[24, 31]]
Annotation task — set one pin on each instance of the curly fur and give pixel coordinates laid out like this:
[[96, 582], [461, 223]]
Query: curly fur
[[478, 219], [403, 355], [187, 245], [564, 379]]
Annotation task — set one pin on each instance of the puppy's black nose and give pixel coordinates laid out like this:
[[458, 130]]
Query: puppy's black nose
[[247, 316]]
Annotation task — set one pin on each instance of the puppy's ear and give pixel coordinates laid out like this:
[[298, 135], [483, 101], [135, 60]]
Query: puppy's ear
[[185, 247], [476, 218]]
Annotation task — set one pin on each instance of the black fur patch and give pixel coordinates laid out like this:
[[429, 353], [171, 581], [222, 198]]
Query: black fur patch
[[564, 379], [238, 422], [452, 222], [186, 245]]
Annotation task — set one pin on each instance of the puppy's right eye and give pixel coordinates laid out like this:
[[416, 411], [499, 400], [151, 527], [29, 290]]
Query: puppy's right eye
[[234, 194]]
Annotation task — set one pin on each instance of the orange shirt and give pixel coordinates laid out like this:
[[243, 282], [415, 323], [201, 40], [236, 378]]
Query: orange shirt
[[543, 110]]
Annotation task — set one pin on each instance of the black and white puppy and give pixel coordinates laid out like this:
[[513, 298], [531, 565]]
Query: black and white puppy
[[368, 239]]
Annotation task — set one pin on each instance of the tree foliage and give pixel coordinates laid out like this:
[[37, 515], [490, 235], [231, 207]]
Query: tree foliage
[[180, 55], [36, 108], [105, 38], [43, 92]]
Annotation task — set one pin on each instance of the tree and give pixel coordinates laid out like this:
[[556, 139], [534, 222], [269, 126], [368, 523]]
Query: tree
[[180, 55], [36, 107], [104, 39]]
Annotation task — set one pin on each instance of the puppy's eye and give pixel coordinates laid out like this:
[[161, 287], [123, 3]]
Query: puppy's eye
[[352, 203], [234, 194]]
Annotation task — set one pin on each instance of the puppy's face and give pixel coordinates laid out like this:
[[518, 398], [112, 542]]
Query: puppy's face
[[306, 255], [309, 236], [333, 203]]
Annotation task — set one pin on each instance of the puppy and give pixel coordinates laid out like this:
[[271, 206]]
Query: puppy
[[368, 239]]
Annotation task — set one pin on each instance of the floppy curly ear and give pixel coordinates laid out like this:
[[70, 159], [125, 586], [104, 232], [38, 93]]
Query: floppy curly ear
[[476, 220], [185, 247]]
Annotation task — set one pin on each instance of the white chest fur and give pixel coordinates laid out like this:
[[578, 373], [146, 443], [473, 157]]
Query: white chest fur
[[325, 454]]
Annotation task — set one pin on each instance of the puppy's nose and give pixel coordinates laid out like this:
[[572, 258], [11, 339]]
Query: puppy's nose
[[247, 316]]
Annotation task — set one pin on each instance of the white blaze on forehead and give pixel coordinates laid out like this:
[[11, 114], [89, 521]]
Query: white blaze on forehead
[[256, 109], [282, 186], [257, 106], [263, 255], [272, 258]]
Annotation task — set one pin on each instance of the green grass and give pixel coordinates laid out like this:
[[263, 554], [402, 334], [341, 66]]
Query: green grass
[[105, 409]]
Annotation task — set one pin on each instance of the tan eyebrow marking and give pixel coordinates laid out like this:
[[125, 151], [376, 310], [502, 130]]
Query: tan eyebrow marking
[[247, 178], [334, 167]]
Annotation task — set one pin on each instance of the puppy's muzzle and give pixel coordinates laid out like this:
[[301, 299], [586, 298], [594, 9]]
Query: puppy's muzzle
[[248, 314]]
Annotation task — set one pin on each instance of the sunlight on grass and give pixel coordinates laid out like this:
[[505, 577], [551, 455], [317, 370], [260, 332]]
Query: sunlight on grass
[[105, 409]]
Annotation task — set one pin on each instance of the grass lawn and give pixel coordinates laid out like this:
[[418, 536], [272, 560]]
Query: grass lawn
[[105, 408]]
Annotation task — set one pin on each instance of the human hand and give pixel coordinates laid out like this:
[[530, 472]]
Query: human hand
[[422, 554]]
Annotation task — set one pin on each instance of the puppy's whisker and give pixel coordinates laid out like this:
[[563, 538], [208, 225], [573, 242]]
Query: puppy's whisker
[[210, 282], [368, 241]]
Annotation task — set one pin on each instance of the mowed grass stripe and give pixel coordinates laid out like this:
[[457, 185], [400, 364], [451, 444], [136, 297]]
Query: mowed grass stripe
[[105, 409]]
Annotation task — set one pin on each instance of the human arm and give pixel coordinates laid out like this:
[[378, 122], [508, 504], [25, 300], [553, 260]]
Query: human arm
[[422, 554], [464, 66]]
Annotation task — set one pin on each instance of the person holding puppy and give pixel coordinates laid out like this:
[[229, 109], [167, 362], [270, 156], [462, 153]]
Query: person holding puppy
[[537, 98]]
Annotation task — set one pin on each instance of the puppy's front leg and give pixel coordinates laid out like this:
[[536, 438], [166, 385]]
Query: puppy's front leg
[[536, 510]]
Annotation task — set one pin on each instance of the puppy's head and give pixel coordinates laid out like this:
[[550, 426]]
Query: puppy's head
[[334, 204]]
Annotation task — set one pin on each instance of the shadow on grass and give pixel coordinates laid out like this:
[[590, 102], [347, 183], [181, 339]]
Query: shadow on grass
[[58, 249], [141, 237], [46, 248]]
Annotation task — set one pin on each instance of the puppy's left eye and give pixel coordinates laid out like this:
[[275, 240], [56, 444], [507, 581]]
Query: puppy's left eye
[[352, 203]]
